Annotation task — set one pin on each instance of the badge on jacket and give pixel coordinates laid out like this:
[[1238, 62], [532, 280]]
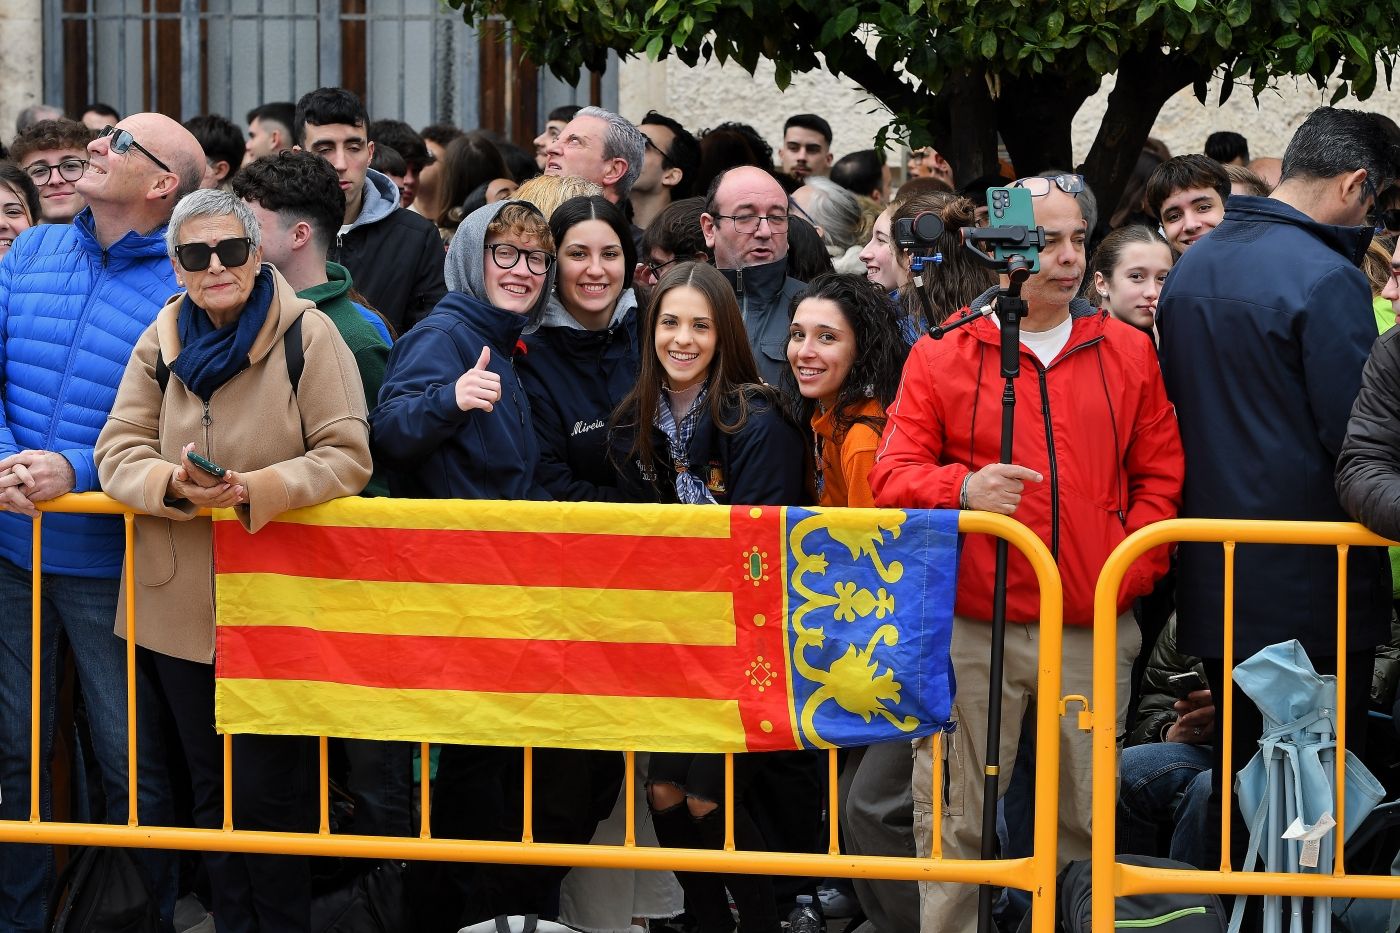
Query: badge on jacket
[[715, 483]]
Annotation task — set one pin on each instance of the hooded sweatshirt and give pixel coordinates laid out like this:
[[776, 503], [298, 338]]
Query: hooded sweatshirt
[[575, 377], [765, 296], [433, 449], [371, 352], [394, 255]]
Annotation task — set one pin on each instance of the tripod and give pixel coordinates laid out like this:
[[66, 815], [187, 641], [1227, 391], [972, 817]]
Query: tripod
[[1009, 309]]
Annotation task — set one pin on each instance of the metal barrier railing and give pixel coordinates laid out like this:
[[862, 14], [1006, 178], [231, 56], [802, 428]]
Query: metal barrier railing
[[1035, 874], [1112, 879]]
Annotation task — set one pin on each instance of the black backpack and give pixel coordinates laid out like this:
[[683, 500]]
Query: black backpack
[[103, 891], [1162, 913]]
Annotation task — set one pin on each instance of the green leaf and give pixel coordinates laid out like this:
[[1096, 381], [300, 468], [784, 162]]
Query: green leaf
[[1144, 13], [1287, 10], [1097, 56], [1339, 93], [1304, 60], [1237, 13], [1359, 47], [1227, 85], [1289, 41], [782, 76], [989, 45], [1054, 24], [1187, 5], [1223, 35]]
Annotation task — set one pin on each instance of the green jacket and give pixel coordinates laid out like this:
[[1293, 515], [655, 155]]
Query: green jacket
[[369, 349]]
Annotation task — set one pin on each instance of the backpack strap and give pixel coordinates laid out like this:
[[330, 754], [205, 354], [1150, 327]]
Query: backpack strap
[[291, 348], [295, 353]]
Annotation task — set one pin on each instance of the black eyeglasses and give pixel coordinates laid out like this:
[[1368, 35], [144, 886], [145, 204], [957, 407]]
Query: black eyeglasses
[[1039, 186], [506, 255], [122, 142], [748, 223], [656, 268], [232, 253], [665, 159], [68, 169]]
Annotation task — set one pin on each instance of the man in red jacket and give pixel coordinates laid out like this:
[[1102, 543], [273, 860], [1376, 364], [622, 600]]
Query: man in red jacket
[[1098, 455]]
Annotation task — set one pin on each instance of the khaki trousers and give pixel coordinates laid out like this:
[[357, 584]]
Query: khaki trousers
[[952, 908]]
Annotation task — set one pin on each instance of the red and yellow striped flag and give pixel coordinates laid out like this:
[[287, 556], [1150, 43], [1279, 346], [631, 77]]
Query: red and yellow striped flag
[[514, 623]]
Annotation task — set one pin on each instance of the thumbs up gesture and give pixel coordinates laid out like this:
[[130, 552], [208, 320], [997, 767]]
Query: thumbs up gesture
[[478, 387]]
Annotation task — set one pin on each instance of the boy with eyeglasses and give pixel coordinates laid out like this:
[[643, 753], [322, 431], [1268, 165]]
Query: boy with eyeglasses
[[74, 299], [53, 153]]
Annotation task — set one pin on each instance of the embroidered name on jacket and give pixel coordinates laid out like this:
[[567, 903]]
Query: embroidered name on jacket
[[582, 426]]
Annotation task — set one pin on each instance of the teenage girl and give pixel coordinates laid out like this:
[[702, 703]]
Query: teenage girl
[[700, 428], [846, 353], [1127, 273]]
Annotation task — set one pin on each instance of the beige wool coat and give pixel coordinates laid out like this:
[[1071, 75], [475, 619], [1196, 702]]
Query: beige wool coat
[[291, 451]]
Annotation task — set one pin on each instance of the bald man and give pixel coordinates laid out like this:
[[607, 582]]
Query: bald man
[[745, 224], [98, 282]]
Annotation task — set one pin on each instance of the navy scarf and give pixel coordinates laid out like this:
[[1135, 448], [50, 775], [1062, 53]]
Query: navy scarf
[[210, 356]]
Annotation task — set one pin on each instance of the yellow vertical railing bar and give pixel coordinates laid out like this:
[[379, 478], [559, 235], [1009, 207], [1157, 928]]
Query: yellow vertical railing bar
[[1338, 854], [228, 782], [729, 801], [629, 782], [833, 804], [936, 795], [527, 830], [1227, 702], [36, 666], [133, 778], [323, 754], [1047, 778], [425, 794]]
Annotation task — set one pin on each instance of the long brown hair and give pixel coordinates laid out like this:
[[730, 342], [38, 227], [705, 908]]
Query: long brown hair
[[732, 376], [952, 283]]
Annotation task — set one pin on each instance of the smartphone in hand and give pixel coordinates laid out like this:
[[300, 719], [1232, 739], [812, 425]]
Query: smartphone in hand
[[208, 466], [1183, 685]]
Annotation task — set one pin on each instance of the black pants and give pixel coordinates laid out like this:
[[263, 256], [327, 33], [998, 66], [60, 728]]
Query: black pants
[[1249, 726], [478, 794], [273, 789]]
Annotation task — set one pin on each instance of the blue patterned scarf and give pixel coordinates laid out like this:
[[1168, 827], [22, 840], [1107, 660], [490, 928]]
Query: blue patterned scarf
[[210, 356], [690, 489]]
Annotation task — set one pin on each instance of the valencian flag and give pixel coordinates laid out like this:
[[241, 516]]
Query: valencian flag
[[587, 625]]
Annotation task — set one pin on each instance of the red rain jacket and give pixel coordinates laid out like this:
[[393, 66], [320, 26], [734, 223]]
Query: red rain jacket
[[1095, 423]]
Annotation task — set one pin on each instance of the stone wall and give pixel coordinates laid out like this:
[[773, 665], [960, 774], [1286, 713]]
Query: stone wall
[[22, 64]]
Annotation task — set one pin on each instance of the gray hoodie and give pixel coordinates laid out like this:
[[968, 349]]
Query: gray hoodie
[[465, 270], [381, 198], [556, 315]]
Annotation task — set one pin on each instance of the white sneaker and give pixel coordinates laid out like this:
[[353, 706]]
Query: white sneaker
[[836, 903], [516, 924]]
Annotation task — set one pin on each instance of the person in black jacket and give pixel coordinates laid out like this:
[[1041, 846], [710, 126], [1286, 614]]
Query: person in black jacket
[[1265, 327], [583, 358], [698, 428], [394, 255], [454, 423]]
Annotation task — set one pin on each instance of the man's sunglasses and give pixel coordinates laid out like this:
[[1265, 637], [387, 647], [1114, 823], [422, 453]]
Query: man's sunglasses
[[123, 142], [232, 253]]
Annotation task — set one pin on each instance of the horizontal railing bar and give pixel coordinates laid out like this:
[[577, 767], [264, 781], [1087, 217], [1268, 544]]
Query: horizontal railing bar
[[1138, 879], [1010, 872]]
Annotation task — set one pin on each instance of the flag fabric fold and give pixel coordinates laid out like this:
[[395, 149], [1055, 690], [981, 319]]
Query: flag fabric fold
[[586, 625]]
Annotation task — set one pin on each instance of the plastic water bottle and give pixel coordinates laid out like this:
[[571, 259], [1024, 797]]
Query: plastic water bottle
[[804, 917]]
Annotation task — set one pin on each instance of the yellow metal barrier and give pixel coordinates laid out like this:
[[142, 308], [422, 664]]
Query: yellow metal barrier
[[1035, 874], [1111, 879]]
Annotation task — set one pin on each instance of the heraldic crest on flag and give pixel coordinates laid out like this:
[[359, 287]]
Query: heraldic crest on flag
[[587, 625]]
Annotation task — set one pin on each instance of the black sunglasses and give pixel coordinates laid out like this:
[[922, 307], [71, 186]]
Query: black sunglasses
[[123, 142], [232, 253]]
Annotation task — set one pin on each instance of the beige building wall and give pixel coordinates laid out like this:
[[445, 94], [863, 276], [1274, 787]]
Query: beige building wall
[[709, 94], [22, 64]]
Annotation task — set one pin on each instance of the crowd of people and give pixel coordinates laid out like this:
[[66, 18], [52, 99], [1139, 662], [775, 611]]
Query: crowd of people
[[330, 306]]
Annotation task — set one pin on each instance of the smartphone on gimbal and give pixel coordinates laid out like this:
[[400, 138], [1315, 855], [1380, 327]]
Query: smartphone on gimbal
[[1013, 207]]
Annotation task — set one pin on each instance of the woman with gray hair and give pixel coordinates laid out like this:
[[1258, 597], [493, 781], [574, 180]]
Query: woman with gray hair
[[240, 395], [836, 214]]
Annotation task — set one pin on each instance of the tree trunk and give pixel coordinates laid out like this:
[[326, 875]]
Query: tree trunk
[[1035, 116], [966, 130], [1147, 79]]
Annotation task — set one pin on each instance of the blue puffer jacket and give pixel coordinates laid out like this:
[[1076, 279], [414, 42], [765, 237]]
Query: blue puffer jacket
[[70, 314]]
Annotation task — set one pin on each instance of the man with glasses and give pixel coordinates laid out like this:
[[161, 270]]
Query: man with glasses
[[746, 224], [1097, 456], [53, 153], [668, 171], [74, 299], [1264, 334]]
